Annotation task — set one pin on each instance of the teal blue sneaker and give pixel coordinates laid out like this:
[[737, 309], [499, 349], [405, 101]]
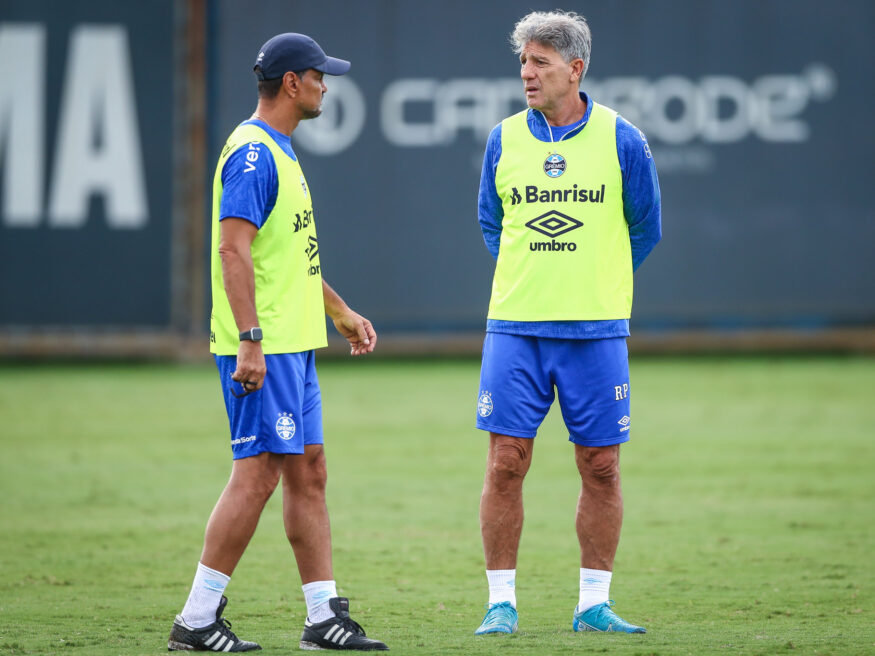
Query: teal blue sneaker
[[500, 618], [602, 618]]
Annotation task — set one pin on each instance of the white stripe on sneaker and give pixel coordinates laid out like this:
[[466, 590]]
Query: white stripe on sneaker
[[229, 645], [219, 643], [212, 638], [334, 629], [345, 638]]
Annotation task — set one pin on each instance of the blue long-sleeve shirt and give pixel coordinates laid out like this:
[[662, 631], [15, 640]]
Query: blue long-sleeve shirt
[[641, 207]]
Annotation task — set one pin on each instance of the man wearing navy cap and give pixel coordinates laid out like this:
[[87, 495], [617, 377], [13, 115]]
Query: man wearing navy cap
[[268, 317]]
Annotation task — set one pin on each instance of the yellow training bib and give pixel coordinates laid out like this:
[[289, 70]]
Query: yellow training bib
[[285, 257], [564, 253]]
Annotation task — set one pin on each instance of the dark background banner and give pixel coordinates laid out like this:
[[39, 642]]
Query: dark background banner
[[86, 153], [757, 113]]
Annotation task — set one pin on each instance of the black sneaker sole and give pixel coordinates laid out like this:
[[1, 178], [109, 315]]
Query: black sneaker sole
[[306, 645], [309, 646], [178, 646], [172, 645]]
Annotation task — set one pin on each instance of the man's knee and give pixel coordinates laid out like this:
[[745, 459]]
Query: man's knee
[[509, 460], [306, 473], [264, 488], [256, 482], [316, 472], [599, 465]]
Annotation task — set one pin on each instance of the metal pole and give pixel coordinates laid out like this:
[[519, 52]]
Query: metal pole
[[188, 305]]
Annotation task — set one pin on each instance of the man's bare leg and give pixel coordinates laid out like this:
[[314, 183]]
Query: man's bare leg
[[501, 504], [235, 517], [229, 529], [599, 519], [305, 514], [600, 506], [501, 524]]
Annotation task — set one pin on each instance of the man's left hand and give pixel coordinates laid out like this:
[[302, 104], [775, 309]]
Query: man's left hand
[[358, 331]]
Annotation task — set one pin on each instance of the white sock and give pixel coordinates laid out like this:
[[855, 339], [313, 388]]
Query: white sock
[[316, 595], [502, 586], [203, 600], [595, 587]]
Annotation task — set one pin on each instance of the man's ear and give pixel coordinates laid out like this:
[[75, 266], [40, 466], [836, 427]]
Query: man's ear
[[291, 83], [577, 70]]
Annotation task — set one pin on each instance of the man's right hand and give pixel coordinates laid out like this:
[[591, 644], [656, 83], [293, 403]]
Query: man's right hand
[[251, 368]]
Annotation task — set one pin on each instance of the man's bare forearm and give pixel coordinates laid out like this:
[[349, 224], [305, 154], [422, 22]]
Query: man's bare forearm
[[334, 305], [239, 280]]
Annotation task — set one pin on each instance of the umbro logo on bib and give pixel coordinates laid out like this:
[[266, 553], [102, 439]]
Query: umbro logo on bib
[[312, 251], [554, 223]]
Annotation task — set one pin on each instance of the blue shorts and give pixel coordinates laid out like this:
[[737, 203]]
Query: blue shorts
[[519, 373], [282, 416]]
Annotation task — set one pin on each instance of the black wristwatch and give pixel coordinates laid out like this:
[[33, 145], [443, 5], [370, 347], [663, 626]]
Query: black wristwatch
[[252, 335]]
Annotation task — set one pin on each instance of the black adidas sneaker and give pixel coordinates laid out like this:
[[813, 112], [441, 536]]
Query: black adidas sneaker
[[215, 637], [338, 632]]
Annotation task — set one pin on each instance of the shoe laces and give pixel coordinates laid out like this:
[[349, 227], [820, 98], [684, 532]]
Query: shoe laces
[[225, 629], [498, 614], [350, 625], [608, 611]]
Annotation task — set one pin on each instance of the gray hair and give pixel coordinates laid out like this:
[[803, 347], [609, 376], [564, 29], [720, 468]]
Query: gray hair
[[565, 31]]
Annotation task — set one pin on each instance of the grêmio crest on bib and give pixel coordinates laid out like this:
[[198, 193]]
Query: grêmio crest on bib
[[554, 165]]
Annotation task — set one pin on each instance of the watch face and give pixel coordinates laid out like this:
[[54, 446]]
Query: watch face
[[252, 335]]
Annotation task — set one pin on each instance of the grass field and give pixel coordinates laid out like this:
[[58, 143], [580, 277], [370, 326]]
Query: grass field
[[749, 487]]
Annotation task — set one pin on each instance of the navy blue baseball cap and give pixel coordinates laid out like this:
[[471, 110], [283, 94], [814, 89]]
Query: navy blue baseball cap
[[295, 52]]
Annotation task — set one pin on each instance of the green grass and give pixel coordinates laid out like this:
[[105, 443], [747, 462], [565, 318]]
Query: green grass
[[749, 487]]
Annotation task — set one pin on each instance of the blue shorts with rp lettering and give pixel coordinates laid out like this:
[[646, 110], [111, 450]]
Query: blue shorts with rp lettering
[[591, 376], [282, 416]]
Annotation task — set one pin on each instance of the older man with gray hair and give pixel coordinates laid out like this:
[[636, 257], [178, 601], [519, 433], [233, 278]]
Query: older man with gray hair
[[569, 206]]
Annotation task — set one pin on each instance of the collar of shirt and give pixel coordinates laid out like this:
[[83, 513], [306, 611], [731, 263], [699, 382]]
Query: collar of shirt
[[282, 140], [542, 131]]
